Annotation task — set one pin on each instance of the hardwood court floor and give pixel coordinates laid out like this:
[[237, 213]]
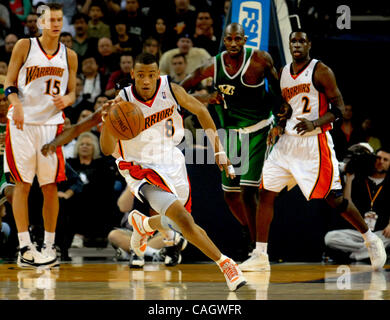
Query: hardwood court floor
[[116, 281]]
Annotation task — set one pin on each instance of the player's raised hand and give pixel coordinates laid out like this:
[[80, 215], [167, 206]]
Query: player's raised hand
[[61, 102], [304, 126], [224, 164], [48, 149], [18, 116]]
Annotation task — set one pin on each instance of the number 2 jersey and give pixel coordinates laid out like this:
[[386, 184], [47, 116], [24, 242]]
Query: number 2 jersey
[[40, 78], [163, 127], [304, 98]]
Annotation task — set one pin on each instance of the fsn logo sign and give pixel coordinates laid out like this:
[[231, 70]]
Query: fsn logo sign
[[250, 18]]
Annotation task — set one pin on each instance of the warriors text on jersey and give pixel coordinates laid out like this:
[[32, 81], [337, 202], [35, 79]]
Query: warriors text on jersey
[[306, 101], [40, 79], [163, 126], [246, 104]]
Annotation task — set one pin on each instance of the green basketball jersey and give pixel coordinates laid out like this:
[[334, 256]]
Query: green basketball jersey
[[3, 126], [246, 105]]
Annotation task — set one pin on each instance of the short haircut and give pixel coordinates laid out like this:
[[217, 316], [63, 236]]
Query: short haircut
[[95, 142], [79, 16], [128, 54], [66, 34], [145, 58], [384, 148], [89, 56], [99, 96], [97, 3], [302, 31], [235, 26], [178, 55], [54, 6]]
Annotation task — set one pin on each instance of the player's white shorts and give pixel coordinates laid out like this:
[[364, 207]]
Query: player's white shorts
[[171, 177], [23, 154], [307, 161]]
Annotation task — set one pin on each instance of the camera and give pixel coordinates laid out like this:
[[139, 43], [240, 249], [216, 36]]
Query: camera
[[360, 160]]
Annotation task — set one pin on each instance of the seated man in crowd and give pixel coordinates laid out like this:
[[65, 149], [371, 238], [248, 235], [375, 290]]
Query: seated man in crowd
[[369, 190]]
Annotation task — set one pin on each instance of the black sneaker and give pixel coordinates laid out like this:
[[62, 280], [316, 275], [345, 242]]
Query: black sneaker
[[135, 261], [171, 254]]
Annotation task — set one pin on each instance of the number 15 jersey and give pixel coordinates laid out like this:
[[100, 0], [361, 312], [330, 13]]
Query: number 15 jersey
[[40, 78]]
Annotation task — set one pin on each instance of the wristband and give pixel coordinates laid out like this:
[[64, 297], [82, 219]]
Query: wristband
[[220, 152], [10, 90]]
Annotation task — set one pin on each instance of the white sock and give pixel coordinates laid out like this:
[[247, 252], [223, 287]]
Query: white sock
[[261, 247], [368, 235], [146, 225], [24, 239], [223, 258], [49, 239], [150, 251]]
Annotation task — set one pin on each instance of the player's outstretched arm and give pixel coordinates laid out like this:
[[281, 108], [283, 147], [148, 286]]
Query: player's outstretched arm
[[201, 73], [19, 54], [196, 107], [73, 132]]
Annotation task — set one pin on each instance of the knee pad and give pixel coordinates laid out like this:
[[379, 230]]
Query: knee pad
[[157, 198]]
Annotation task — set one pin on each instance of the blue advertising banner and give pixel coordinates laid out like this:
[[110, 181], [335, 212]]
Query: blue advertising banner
[[254, 16]]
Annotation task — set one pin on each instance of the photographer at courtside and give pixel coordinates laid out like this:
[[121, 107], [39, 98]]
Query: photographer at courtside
[[367, 185]]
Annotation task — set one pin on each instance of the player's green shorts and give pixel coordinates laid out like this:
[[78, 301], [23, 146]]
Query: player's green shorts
[[247, 153]]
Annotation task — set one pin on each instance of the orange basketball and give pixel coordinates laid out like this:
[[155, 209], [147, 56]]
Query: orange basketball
[[125, 120]]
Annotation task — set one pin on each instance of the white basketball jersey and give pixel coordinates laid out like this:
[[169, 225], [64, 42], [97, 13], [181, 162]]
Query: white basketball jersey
[[163, 127], [40, 78], [305, 100]]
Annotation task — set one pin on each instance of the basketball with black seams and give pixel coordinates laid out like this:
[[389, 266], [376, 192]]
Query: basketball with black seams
[[125, 120]]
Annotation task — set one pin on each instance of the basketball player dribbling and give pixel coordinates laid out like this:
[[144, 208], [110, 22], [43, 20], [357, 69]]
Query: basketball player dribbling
[[154, 168], [304, 154], [40, 83]]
